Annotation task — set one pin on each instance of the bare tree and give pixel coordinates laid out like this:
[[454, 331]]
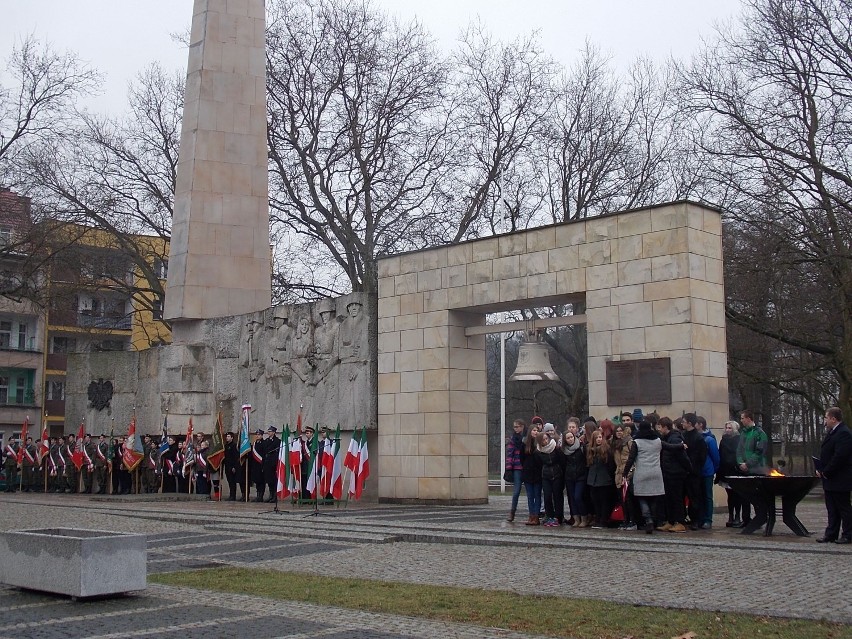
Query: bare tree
[[611, 140], [38, 97], [357, 133], [770, 98], [118, 175], [502, 95]]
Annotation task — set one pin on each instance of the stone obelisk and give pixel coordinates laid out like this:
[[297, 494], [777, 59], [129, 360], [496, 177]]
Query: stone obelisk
[[219, 263]]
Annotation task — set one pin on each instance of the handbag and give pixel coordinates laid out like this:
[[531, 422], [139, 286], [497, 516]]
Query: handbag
[[617, 513], [509, 476]]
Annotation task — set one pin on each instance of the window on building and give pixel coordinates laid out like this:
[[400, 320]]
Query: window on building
[[161, 267], [60, 344], [157, 308], [4, 390], [5, 236], [56, 389], [5, 334], [108, 345]]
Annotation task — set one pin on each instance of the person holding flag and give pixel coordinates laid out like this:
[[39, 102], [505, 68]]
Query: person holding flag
[[29, 462], [188, 457], [72, 465], [10, 463], [258, 451], [244, 448], [270, 462], [101, 462], [234, 469], [88, 466]]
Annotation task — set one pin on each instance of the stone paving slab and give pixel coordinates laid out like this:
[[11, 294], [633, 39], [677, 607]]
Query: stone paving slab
[[475, 547]]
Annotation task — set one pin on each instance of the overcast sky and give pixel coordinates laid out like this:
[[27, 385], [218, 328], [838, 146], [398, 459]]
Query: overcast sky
[[121, 37]]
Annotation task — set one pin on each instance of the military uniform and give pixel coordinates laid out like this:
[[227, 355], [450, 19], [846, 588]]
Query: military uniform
[[101, 465], [71, 472], [270, 462], [167, 466], [88, 467], [235, 470], [202, 472], [149, 476], [56, 467], [10, 463], [28, 466], [258, 449]]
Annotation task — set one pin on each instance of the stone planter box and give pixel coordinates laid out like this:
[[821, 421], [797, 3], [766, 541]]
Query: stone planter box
[[75, 562]]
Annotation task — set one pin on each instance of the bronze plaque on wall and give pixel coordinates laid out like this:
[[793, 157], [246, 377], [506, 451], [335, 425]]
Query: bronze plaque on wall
[[639, 382]]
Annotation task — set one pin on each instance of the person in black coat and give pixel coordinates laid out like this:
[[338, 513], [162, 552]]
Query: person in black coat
[[234, 469], [676, 467], [835, 458], [696, 450], [258, 450], [271, 448], [531, 475], [728, 468]]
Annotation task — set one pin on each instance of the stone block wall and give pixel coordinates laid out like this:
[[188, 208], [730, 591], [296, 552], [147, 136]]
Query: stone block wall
[[651, 282], [309, 355]]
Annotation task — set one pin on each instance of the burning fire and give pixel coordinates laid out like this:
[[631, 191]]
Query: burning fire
[[775, 473]]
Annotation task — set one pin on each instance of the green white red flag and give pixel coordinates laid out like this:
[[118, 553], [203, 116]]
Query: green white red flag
[[337, 467], [312, 480], [283, 467]]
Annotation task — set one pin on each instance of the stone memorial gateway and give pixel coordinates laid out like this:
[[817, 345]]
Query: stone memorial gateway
[[650, 282]]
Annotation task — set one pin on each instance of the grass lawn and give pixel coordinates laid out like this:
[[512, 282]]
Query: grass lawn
[[553, 616]]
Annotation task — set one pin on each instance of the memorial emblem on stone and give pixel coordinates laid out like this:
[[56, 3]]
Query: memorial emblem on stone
[[100, 393]]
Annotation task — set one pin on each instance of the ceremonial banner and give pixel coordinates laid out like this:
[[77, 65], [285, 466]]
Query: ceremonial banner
[[216, 452], [131, 456], [245, 441], [77, 455]]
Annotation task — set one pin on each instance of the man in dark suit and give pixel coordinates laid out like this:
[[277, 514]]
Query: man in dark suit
[[270, 462], [836, 473]]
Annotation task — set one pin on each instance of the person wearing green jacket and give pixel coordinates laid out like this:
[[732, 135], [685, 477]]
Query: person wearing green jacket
[[751, 450], [751, 454]]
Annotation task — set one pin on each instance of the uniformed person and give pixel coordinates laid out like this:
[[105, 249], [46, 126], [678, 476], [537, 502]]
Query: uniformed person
[[10, 463], [56, 467], [101, 464], [29, 462], [270, 462], [258, 450], [71, 472], [234, 469], [202, 469], [88, 467]]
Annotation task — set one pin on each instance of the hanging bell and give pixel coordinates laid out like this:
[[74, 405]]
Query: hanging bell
[[533, 364]]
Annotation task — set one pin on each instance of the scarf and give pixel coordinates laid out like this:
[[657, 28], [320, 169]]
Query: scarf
[[547, 448], [573, 448]]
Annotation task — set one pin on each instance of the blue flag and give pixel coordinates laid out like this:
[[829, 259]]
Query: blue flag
[[245, 442], [164, 442]]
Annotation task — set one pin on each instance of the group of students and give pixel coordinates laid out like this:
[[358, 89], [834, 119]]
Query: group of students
[[647, 472]]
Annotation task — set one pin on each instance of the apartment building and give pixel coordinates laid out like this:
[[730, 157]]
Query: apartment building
[[91, 294]]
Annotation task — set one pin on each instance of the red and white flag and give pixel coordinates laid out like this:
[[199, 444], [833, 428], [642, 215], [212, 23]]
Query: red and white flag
[[45, 444], [24, 428]]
